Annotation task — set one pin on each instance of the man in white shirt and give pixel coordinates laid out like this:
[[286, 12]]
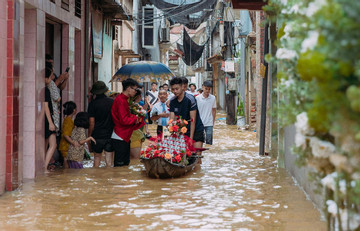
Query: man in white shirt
[[160, 112], [192, 90], [152, 97], [170, 94], [207, 109]]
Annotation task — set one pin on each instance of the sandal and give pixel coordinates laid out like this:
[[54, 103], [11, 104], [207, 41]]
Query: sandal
[[51, 167]]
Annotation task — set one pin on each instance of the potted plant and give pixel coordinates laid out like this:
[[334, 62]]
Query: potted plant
[[240, 113]]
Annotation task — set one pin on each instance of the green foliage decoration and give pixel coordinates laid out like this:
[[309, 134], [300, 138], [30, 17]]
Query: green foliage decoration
[[318, 63]]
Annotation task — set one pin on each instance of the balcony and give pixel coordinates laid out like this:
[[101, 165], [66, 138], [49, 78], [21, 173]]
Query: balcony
[[248, 4], [112, 9]]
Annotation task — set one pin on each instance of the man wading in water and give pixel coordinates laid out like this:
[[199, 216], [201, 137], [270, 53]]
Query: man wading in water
[[185, 105]]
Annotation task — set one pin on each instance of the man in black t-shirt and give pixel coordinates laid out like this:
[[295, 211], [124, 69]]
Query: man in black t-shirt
[[185, 105], [101, 124]]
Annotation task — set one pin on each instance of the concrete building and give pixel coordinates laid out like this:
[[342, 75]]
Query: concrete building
[[30, 29]]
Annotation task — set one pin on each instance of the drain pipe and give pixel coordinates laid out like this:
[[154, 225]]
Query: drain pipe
[[264, 95], [86, 56]]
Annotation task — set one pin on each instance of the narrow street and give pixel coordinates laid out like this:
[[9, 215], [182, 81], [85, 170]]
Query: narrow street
[[234, 189]]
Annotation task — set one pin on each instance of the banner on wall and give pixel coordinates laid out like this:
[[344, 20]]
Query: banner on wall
[[97, 24]]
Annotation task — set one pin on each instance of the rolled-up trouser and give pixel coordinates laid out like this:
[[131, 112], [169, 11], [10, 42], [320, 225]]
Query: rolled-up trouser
[[121, 152]]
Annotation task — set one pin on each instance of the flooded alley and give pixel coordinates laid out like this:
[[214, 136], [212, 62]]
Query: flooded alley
[[234, 189]]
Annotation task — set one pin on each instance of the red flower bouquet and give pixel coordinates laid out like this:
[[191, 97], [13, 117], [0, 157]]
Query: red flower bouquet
[[136, 109], [178, 126]]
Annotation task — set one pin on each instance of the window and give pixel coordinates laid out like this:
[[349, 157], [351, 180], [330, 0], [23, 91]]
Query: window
[[78, 8], [148, 35], [107, 27], [115, 32], [65, 4]]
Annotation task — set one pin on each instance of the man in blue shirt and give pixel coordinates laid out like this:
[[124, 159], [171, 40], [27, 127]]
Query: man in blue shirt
[[185, 105]]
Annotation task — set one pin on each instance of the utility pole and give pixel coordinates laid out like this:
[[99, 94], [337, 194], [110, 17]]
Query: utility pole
[[230, 95], [264, 95]]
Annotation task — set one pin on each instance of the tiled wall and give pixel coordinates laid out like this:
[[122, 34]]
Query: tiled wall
[[78, 86], [40, 93], [65, 59], [12, 97], [22, 63], [29, 102], [3, 17]]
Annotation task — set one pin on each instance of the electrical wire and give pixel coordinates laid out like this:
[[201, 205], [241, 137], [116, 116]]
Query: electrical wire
[[166, 14], [146, 19]]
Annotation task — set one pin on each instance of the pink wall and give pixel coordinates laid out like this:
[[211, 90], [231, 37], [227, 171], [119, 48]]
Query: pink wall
[[29, 102], [3, 16], [65, 60], [78, 86], [40, 93], [22, 63]]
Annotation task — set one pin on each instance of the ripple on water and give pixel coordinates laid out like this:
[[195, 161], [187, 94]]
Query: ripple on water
[[234, 189]]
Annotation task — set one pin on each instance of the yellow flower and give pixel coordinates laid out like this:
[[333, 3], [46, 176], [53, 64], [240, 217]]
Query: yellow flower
[[167, 156], [171, 129], [185, 122], [183, 130]]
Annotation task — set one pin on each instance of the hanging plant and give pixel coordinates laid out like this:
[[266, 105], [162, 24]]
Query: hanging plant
[[318, 60]]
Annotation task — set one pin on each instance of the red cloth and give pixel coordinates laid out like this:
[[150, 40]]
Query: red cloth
[[124, 121]]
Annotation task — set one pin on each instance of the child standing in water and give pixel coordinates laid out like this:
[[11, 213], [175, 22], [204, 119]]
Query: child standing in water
[[68, 126], [75, 153]]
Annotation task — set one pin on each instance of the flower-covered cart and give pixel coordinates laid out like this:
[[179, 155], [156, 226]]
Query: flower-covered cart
[[172, 156]]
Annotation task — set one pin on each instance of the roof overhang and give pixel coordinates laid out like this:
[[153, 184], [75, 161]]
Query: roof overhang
[[126, 53], [215, 59], [249, 4], [113, 9]]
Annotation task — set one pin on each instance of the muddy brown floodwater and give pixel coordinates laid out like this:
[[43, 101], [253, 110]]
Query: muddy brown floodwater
[[234, 189]]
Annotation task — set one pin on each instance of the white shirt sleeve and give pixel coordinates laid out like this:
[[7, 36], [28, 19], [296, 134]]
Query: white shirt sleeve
[[214, 102], [153, 110]]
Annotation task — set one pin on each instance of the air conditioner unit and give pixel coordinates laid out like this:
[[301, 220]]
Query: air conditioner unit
[[165, 35]]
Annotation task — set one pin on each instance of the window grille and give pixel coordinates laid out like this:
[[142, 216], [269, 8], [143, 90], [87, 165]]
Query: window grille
[[65, 4], [148, 35], [78, 8]]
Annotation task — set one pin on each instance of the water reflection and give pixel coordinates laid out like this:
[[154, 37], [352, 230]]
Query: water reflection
[[234, 189]]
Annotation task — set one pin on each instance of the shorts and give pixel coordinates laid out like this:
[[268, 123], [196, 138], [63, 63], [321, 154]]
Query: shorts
[[209, 135], [102, 144], [199, 136]]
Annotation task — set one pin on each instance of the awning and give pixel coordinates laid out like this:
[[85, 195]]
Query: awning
[[126, 53], [248, 4], [216, 58], [113, 9]]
